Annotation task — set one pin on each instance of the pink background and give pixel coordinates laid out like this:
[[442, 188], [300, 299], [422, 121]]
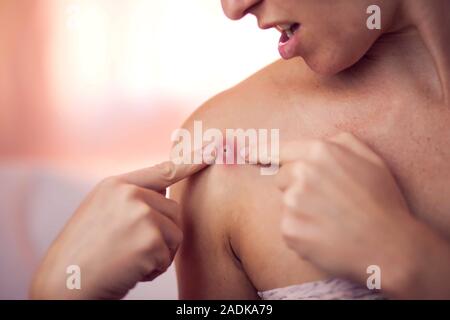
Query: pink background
[[94, 88]]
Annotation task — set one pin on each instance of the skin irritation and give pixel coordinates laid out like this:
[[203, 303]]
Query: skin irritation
[[228, 154], [394, 98]]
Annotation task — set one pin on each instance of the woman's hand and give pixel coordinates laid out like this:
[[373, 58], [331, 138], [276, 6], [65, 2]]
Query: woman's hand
[[126, 231], [342, 209]]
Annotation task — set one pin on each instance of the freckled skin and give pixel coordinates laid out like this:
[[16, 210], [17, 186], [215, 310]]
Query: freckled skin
[[232, 245], [391, 100]]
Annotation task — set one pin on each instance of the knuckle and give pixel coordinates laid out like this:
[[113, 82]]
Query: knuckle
[[157, 263], [160, 258], [167, 170], [153, 241], [295, 237], [108, 183], [108, 188], [178, 237], [320, 149], [290, 198], [140, 210], [150, 222], [301, 175], [302, 186], [290, 173], [288, 229], [128, 192], [152, 214], [298, 170]]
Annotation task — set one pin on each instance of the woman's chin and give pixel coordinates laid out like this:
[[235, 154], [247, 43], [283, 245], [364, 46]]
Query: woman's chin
[[329, 65]]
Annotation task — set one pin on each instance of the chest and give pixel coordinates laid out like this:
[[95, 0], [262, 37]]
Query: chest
[[412, 136]]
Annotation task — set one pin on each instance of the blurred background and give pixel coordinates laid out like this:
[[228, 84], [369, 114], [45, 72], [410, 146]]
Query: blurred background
[[90, 88]]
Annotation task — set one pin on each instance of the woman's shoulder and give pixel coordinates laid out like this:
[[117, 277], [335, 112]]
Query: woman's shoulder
[[228, 212], [267, 87]]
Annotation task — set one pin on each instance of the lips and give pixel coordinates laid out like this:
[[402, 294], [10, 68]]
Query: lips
[[289, 39]]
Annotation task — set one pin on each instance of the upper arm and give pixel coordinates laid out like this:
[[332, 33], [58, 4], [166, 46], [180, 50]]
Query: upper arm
[[232, 244], [205, 263]]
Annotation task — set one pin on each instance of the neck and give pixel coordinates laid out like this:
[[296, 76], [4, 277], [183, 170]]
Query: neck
[[417, 47], [431, 20]]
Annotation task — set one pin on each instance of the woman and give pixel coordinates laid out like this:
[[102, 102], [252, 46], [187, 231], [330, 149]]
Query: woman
[[340, 208]]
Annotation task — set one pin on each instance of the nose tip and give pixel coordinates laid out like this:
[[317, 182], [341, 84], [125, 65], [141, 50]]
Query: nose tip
[[236, 9]]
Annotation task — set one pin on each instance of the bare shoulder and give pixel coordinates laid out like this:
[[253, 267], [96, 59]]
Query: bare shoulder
[[230, 213], [206, 265], [256, 95]]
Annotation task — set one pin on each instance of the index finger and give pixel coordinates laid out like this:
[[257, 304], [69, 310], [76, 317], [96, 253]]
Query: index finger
[[165, 174]]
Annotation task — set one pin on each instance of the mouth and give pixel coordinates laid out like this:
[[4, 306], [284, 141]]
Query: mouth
[[288, 40], [287, 31]]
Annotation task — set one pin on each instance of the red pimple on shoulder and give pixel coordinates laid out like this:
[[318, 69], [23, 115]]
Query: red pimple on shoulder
[[226, 153]]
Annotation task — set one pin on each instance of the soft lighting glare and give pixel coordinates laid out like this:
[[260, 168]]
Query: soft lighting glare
[[143, 48]]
